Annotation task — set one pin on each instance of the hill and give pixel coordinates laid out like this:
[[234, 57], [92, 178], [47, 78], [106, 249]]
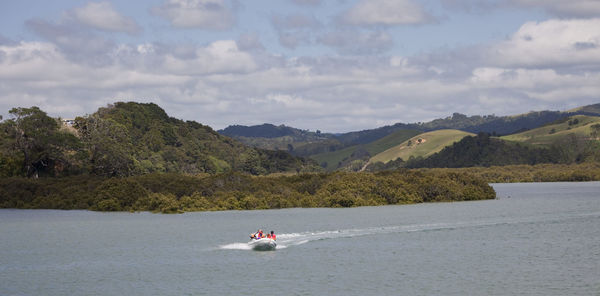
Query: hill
[[321, 146], [421, 145], [593, 110], [483, 150], [580, 125], [570, 140], [341, 158], [125, 139], [295, 141]]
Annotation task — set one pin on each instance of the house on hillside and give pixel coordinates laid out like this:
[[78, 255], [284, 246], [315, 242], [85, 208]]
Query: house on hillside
[[68, 122]]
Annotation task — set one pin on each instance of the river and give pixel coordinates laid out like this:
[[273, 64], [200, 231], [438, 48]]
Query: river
[[534, 239]]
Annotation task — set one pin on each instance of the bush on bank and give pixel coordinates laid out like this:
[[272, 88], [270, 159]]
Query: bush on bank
[[174, 193]]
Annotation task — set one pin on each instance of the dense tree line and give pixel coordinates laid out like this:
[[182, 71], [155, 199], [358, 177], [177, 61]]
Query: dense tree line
[[588, 171], [127, 139], [238, 191]]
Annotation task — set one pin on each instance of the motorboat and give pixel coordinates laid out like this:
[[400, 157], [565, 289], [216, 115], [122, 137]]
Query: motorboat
[[263, 244]]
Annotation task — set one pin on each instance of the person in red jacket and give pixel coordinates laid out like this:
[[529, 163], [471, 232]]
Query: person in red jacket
[[272, 235]]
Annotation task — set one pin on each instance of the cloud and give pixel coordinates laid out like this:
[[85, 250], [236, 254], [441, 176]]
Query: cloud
[[562, 8], [102, 16], [473, 6], [357, 42], [250, 42], [77, 44], [203, 14], [559, 8], [295, 30], [294, 21], [553, 64], [307, 2], [386, 13], [553, 43], [293, 40]]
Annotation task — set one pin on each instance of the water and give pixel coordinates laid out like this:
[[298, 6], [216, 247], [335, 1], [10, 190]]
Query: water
[[535, 239]]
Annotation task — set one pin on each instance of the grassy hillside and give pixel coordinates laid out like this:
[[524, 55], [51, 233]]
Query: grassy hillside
[[483, 150], [587, 110], [580, 125], [422, 145], [332, 160]]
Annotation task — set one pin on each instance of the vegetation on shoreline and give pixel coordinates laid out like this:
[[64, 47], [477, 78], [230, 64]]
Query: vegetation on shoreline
[[172, 193], [176, 193], [589, 171]]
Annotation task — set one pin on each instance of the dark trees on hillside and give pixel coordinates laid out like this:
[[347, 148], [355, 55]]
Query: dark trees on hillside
[[42, 146], [110, 150], [483, 150]]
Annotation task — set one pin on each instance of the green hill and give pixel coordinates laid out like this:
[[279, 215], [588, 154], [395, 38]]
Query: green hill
[[483, 150], [336, 159], [125, 139], [579, 125], [421, 145], [587, 110]]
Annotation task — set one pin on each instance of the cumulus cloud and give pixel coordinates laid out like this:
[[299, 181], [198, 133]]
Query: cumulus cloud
[[102, 16], [386, 13], [553, 43], [548, 65], [77, 44], [203, 14]]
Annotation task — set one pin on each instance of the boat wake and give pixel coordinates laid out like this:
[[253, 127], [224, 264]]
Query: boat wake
[[285, 240], [236, 246]]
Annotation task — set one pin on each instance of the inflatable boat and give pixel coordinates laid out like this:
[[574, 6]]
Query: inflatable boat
[[263, 244]]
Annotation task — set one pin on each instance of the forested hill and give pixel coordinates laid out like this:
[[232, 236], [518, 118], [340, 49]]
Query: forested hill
[[271, 131], [127, 139]]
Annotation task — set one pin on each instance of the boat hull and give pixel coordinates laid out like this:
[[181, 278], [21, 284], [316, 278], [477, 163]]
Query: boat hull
[[263, 244]]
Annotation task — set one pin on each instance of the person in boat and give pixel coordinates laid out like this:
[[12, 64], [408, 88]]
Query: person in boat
[[256, 235], [272, 235]]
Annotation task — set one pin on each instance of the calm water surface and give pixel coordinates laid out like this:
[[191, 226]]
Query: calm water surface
[[535, 239]]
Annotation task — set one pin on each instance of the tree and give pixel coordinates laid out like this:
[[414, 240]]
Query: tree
[[38, 138], [108, 144]]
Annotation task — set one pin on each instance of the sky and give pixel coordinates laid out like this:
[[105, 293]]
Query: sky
[[335, 66]]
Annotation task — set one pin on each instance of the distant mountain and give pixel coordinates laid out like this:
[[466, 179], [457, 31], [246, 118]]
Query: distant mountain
[[270, 131], [271, 137], [278, 137]]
